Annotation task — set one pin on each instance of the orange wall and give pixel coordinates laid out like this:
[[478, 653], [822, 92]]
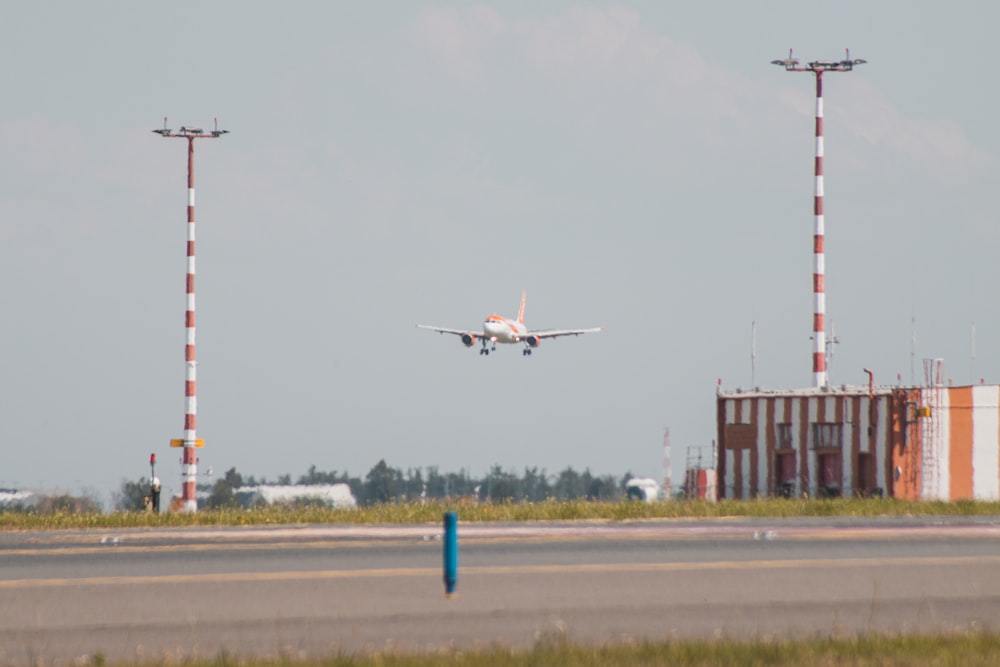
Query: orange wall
[[905, 438], [960, 443]]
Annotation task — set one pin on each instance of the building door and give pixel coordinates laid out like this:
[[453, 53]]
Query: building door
[[865, 483], [829, 475], [787, 474]]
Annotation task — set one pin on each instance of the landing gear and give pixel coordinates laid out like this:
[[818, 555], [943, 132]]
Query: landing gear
[[485, 350], [526, 352]]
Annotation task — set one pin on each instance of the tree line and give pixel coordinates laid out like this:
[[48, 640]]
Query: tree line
[[385, 484]]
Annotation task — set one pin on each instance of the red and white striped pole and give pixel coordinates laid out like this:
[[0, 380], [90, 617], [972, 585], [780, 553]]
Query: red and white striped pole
[[189, 466], [819, 257], [190, 441], [818, 67]]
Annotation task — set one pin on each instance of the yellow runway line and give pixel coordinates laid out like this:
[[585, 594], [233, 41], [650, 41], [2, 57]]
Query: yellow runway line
[[499, 570]]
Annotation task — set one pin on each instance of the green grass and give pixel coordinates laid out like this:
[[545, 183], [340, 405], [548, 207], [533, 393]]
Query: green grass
[[883, 651], [431, 512]]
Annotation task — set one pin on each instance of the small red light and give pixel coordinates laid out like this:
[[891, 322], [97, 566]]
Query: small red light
[[152, 459]]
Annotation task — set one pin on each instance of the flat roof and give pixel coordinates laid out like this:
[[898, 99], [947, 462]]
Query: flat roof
[[836, 390], [833, 390]]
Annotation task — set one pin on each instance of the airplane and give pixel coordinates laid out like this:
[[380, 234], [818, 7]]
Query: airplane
[[498, 329]]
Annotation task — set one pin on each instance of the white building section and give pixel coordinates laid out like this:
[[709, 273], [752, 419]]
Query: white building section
[[333, 495], [986, 435], [642, 488]]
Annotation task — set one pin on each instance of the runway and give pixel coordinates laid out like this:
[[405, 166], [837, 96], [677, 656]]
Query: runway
[[312, 590]]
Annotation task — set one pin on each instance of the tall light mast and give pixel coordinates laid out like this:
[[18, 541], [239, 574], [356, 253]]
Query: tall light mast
[[190, 441], [819, 67]]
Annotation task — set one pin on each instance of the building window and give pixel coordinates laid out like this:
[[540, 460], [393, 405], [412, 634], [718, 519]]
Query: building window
[[825, 435], [785, 439], [739, 436]]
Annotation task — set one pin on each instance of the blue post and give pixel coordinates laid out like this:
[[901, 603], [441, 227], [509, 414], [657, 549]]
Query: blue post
[[450, 552]]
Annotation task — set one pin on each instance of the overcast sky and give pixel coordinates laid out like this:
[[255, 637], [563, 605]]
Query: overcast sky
[[637, 166]]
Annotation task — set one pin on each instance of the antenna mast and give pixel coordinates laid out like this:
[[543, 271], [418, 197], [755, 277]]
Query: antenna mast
[[818, 68], [190, 441], [972, 359], [667, 490]]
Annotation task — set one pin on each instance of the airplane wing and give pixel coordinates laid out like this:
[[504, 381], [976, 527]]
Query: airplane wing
[[457, 332], [555, 333]]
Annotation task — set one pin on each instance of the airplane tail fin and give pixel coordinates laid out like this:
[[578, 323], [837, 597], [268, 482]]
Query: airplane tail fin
[[520, 310]]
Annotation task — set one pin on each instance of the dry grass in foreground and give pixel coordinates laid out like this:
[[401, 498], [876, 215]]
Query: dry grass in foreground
[[965, 650]]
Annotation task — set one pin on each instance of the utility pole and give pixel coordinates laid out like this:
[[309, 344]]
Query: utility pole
[[819, 67], [154, 486], [667, 484], [190, 441]]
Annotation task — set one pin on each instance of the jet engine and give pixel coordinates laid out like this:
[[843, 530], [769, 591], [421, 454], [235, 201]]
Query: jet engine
[[532, 341], [468, 340]]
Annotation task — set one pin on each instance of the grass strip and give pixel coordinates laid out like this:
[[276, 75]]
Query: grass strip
[[550, 510], [965, 650]]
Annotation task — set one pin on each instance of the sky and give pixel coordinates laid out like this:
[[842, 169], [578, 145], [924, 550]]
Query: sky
[[636, 166]]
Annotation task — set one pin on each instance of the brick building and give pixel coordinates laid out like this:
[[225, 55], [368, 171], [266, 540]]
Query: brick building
[[913, 443]]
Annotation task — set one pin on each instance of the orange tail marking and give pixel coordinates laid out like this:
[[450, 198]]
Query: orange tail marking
[[520, 311]]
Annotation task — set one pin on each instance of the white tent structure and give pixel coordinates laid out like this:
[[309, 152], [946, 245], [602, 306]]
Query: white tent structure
[[641, 488], [334, 495]]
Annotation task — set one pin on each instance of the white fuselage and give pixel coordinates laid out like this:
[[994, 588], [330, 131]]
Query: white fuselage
[[501, 330]]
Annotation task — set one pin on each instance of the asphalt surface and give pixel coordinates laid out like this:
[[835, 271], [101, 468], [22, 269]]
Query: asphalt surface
[[314, 590]]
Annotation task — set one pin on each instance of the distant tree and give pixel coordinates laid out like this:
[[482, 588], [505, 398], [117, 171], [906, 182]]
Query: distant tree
[[309, 478], [568, 485], [400, 484], [357, 488], [381, 484], [233, 478], [535, 485], [129, 498], [386, 484], [221, 497], [436, 483], [315, 476], [413, 485], [460, 484], [501, 486], [603, 488]]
